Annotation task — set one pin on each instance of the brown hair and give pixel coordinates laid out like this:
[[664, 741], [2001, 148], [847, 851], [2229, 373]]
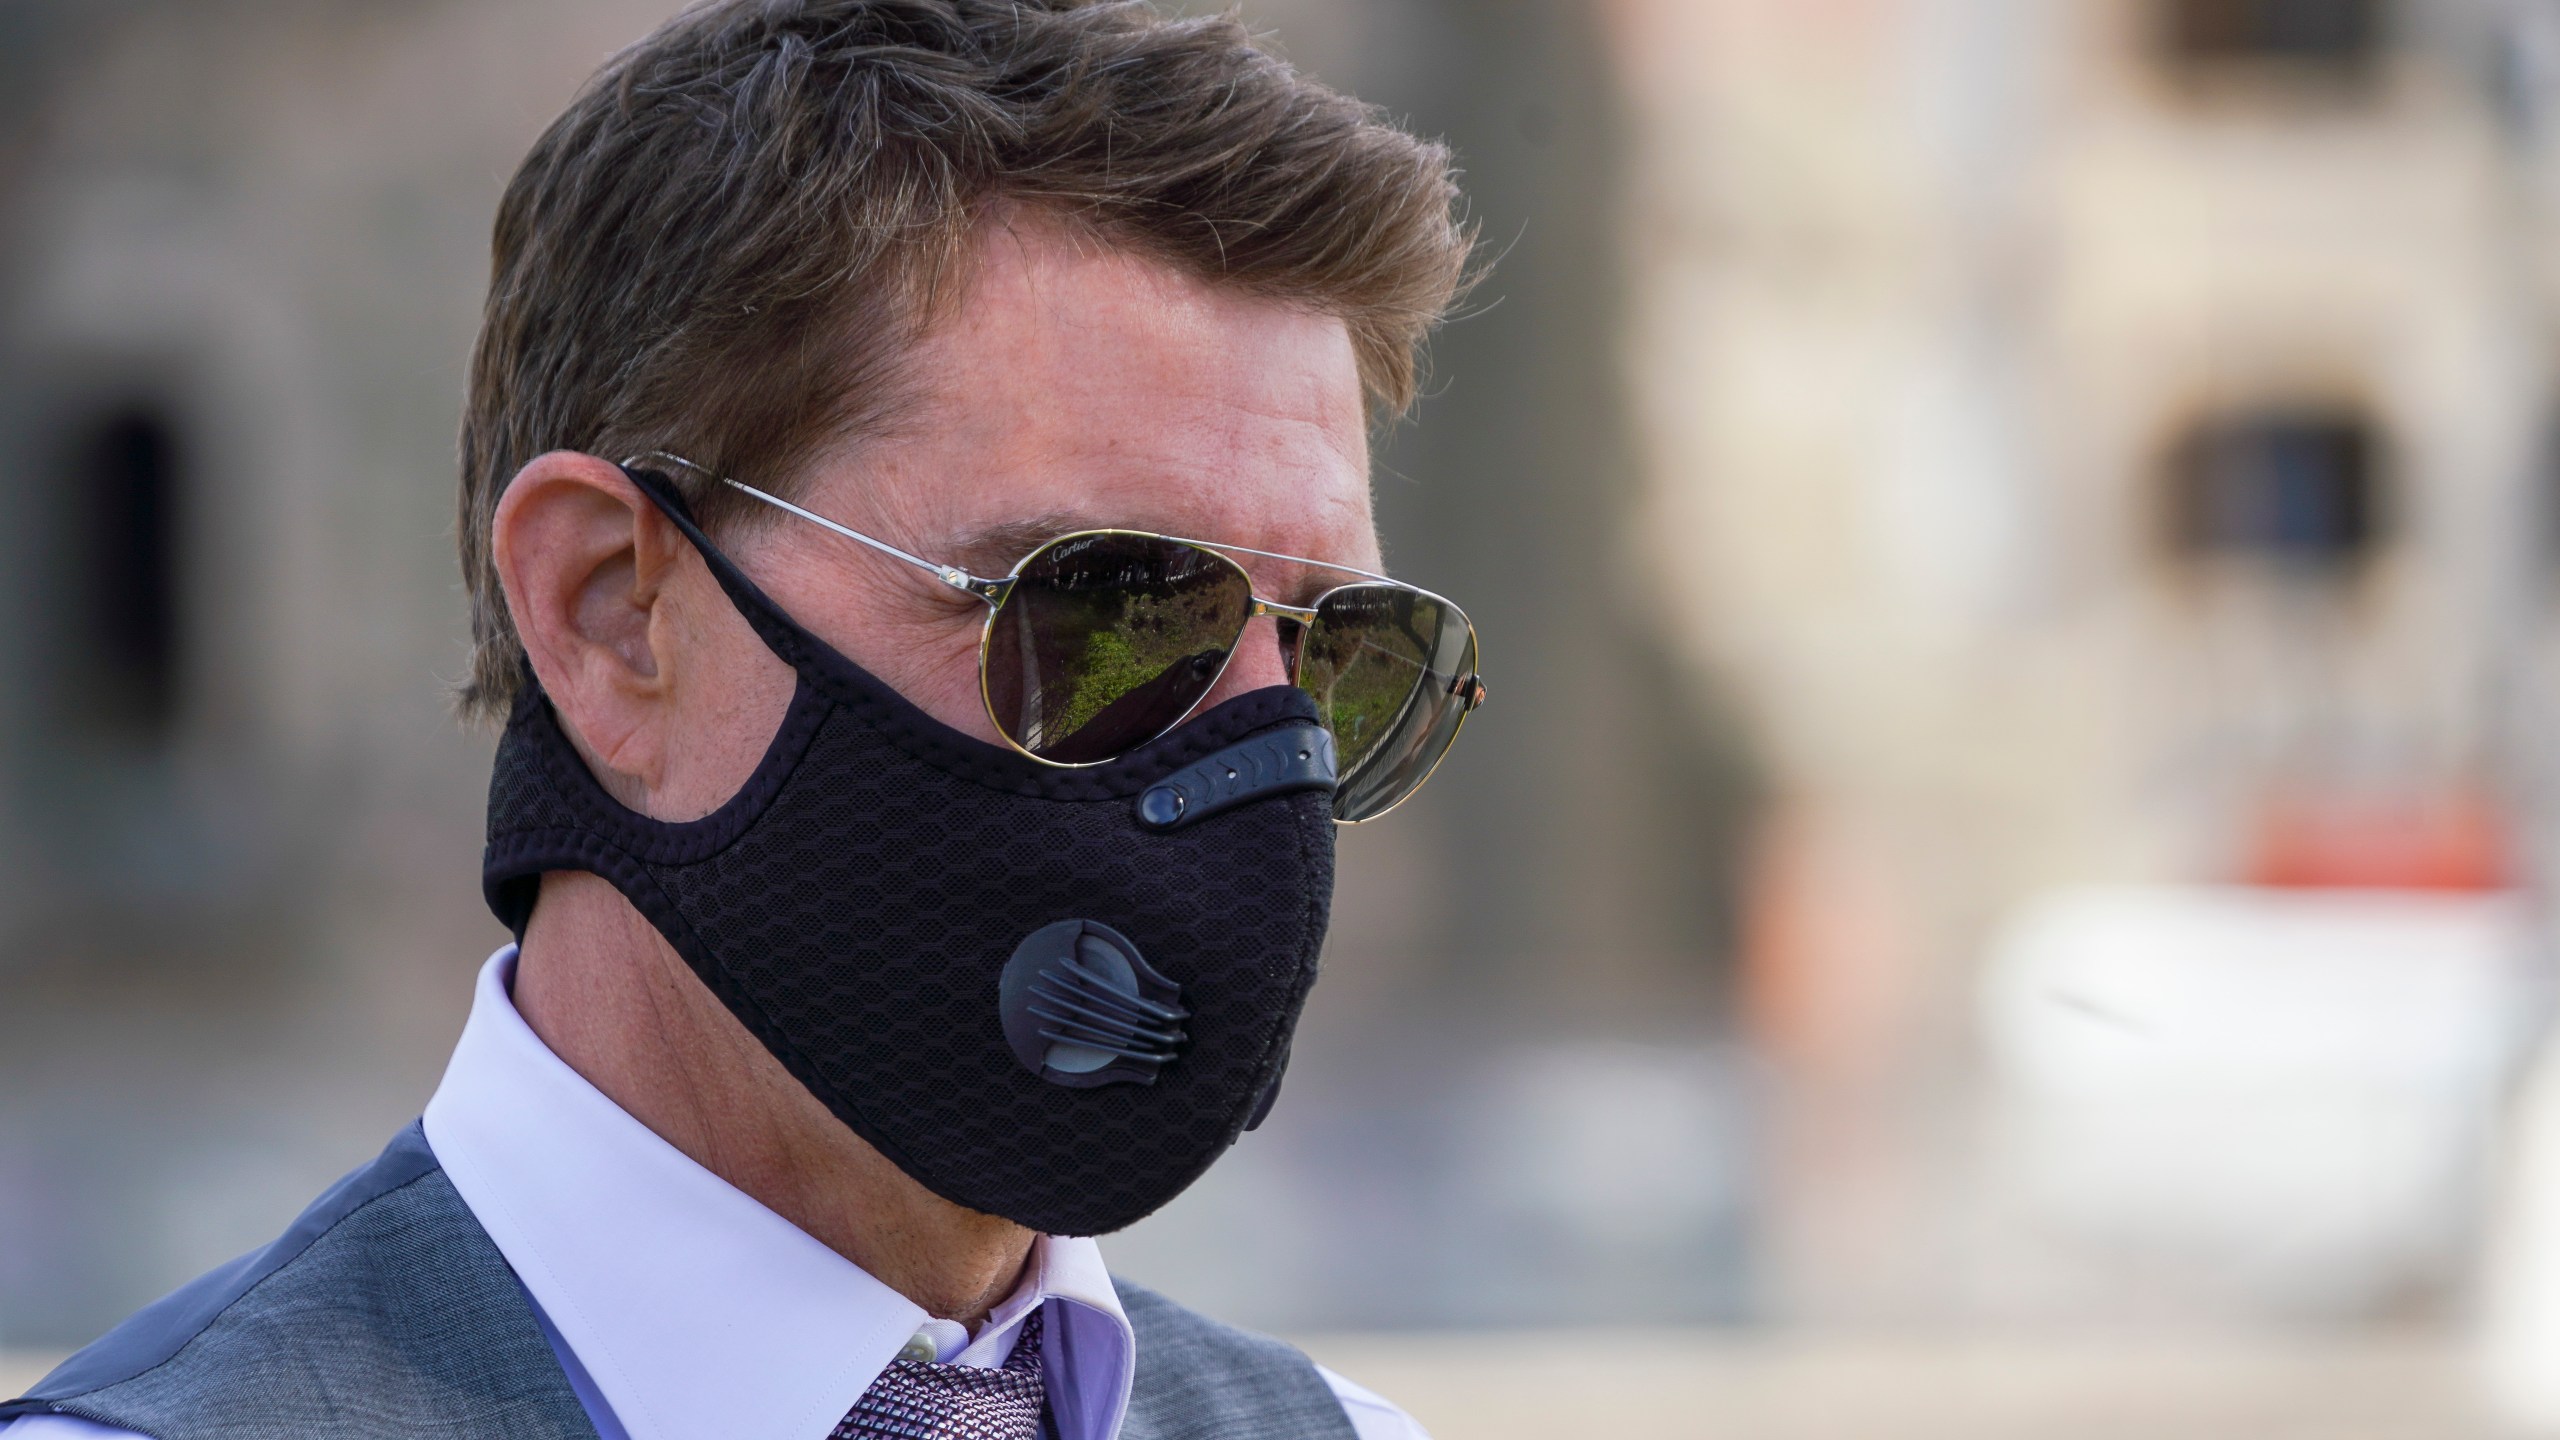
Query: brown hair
[[725, 243]]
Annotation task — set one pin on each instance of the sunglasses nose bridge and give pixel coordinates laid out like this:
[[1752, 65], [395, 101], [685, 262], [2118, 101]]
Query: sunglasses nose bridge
[[1262, 607], [1291, 622]]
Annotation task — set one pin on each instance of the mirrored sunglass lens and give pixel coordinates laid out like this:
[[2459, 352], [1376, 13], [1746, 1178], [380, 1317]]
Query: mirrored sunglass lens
[[1106, 641], [1383, 662]]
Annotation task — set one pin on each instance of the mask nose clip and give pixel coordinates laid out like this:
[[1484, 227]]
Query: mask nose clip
[[1277, 762]]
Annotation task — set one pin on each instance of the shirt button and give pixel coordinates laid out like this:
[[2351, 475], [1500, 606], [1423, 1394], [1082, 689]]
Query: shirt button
[[935, 1340]]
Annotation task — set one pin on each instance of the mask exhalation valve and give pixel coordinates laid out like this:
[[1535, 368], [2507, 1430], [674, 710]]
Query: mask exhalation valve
[[1082, 1008]]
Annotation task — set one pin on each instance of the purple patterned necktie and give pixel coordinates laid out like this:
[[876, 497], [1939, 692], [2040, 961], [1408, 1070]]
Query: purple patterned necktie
[[925, 1400]]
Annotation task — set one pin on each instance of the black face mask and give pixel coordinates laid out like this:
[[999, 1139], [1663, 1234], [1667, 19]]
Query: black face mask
[[1052, 995]]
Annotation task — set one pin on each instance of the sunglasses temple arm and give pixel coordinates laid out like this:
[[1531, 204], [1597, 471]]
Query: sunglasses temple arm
[[991, 591]]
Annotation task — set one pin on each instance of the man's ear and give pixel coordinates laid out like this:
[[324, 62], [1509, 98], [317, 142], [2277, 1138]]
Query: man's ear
[[584, 559]]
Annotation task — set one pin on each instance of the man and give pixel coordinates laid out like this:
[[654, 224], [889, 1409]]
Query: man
[[915, 510]]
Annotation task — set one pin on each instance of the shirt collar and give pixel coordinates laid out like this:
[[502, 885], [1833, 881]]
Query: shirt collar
[[696, 1310]]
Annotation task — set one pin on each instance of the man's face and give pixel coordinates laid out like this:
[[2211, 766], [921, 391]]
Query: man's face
[[1074, 387]]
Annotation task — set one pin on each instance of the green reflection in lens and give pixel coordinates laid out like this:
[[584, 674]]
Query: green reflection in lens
[[1107, 640], [1150, 637], [1366, 659], [1384, 661]]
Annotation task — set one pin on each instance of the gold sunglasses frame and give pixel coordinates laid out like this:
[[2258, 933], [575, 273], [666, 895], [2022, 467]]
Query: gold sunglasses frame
[[994, 590]]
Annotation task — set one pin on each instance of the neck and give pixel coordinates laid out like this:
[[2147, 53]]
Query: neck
[[616, 1003]]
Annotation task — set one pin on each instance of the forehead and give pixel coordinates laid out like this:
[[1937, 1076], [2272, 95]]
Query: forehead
[[1070, 384]]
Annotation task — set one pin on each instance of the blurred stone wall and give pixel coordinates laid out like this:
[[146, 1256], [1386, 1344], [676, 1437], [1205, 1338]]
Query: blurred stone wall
[[2103, 442]]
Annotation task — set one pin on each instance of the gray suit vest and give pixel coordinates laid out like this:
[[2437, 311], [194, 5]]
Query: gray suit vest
[[387, 1311]]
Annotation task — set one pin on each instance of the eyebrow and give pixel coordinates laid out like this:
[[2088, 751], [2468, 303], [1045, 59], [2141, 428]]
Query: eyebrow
[[996, 549]]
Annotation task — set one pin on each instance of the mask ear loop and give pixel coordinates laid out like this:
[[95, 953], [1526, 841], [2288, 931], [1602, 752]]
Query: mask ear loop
[[784, 638]]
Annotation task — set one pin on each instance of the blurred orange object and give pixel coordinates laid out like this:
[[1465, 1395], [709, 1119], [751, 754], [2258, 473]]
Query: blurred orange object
[[2312, 840]]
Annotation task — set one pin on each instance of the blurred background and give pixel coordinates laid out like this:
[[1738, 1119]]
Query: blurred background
[[2006, 884]]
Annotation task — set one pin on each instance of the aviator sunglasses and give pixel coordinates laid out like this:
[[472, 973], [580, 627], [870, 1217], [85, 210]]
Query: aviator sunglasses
[[1101, 640]]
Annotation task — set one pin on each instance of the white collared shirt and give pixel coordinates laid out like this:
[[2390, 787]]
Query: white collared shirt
[[681, 1307]]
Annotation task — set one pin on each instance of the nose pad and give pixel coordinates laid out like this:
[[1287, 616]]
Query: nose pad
[[1293, 638], [1261, 661]]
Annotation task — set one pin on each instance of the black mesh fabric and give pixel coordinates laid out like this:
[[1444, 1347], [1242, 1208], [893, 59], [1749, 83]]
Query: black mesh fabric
[[855, 903]]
